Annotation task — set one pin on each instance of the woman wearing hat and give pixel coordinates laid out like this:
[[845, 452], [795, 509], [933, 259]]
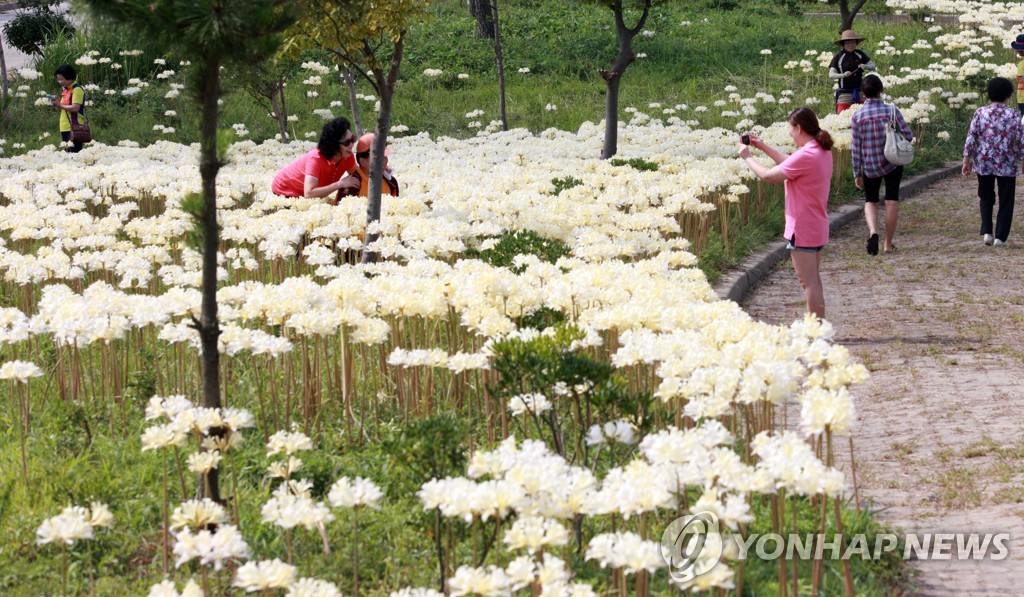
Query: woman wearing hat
[[1018, 46], [847, 68], [389, 184]]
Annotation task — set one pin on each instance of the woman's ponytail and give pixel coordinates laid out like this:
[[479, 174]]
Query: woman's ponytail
[[805, 118]]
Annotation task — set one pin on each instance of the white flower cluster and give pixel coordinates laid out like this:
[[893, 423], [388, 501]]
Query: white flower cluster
[[75, 523]]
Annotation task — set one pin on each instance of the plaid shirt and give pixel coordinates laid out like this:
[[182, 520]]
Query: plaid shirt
[[995, 140], [868, 127]]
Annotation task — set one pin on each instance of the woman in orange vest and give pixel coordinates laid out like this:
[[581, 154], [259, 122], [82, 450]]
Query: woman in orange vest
[[389, 184]]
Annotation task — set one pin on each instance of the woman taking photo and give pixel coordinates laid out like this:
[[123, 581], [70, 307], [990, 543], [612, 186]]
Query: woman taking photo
[[807, 176]]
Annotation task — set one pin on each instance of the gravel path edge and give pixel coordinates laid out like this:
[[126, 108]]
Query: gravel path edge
[[735, 284]]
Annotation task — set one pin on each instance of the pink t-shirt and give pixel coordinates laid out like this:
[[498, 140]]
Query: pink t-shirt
[[290, 181], [808, 179]]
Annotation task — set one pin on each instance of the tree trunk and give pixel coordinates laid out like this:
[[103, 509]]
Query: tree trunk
[[6, 88], [611, 116], [386, 89], [499, 58], [846, 14], [613, 76], [280, 111], [486, 24], [349, 80], [208, 326]]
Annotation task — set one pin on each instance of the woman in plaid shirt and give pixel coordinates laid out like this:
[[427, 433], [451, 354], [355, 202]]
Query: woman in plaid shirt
[[869, 165], [995, 142]]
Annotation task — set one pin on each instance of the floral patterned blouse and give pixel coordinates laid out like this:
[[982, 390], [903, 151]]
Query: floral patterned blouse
[[995, 140]]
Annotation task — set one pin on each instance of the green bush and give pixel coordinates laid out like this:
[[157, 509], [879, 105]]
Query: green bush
[[30, 32]]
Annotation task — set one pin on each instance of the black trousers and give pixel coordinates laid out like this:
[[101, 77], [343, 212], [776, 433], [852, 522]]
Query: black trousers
[[1007, 186], [75, 148]]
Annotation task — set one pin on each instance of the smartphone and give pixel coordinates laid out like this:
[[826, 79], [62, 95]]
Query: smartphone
[[745, 139]]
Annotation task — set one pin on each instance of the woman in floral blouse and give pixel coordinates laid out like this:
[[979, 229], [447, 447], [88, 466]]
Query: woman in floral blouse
[[995, 142]]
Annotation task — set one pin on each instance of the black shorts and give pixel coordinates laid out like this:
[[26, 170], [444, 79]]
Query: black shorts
[[792, 246], [872, 186]]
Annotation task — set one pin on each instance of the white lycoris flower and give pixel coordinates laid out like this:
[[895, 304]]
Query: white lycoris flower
[[19, 371], [463, 76], [534, 533], [313, 587], [204, 462], [477, 581], [284, 470], [766, 52], [292, 506], [163, 436], [551, 107], [355, 493], [524, 70], [167, 588], [198, 514], [942, 135], [533, 404], [626, 551], [432, 72], [74, 523], [416, 592], [620, 431], [647, 33], [264, 575], [288, 442], [210, 548]]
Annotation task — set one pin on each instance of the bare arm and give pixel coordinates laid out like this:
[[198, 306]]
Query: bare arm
[[774, 174], [311, 190], [777, 156]]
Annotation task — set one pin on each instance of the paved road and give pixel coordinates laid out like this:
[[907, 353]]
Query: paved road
[[15, 59], [940, 438]]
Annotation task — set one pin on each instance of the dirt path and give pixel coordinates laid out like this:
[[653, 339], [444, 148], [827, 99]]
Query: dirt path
[[940, 324]]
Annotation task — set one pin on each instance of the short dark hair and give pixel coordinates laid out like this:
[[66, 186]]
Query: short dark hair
[[999, 89], [331, 136], [363, 154], [67, 71], [871, 86]]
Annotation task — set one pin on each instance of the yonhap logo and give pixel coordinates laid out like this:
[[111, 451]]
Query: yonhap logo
[[691, 546]]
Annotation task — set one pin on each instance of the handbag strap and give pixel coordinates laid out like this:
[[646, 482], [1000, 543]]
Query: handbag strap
[[81, 108]]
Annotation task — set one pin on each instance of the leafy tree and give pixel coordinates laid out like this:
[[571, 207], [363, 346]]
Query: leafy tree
[[369, 39], [613, 75], [212, 34], [36, 25], [266, 86]]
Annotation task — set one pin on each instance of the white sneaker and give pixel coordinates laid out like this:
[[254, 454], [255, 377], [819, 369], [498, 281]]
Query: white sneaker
[[987, 239], [999, 243]]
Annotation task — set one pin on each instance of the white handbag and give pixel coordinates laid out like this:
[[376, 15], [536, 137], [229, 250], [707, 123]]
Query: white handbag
[[898, 150]]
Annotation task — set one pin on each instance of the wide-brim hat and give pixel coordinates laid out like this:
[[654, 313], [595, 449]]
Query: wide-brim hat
[[364, 143], [848, 35], [1018, 44]]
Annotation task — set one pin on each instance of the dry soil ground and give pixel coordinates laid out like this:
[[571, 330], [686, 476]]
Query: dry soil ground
[[940, 439]]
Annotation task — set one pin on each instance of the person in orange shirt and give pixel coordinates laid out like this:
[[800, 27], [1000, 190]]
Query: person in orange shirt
[[389, 184]]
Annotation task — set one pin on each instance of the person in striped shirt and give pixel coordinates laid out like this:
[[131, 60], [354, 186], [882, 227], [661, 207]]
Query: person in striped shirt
[[870, 167]]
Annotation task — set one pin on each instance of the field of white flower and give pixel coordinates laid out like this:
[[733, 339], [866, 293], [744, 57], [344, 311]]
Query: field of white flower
[[520, 397]]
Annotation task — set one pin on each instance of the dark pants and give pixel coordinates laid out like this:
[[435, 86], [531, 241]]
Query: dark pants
[[987, 194], [65, 136], [872, 186]]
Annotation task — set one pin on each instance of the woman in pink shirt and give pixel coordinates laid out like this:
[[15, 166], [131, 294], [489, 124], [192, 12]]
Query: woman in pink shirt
[[807, 176], [319, 172]]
